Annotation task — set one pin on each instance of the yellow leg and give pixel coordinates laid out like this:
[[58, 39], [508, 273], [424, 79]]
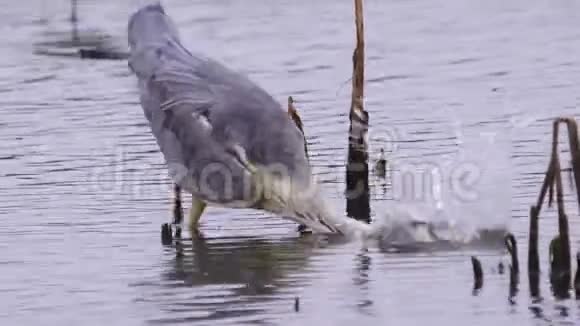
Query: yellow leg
[[197, 208]]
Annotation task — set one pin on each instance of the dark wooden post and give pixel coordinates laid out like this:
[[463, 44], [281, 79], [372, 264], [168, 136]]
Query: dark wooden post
[[560, 247], [575, 153], [357, 170]]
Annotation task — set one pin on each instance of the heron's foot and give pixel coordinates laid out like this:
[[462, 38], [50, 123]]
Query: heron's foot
[[177, 234], [197, 208], [303, 229]]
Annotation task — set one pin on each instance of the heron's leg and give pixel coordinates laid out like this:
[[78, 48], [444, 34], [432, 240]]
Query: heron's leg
[[166, 230], [197, 208], [177, 210]]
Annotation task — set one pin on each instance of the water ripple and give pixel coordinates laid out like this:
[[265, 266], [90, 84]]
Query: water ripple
[[84, 188]]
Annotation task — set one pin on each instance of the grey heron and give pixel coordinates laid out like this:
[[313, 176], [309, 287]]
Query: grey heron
[[225, 140]]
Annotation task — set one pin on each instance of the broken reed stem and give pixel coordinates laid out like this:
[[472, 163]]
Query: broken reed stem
[[512, 247], [293, 113], [357, 184], [533, 253], [574, 152], [548, 181], [562, 264], [533, 256], [560, 257], [577, 276], [551, 189], [514, 282]]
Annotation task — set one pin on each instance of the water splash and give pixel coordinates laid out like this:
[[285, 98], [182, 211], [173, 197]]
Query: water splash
[[468, 199]]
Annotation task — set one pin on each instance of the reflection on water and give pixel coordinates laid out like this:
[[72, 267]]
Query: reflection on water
[[361, 281], [250, 279], [258, 263], [231, 278], [80, 42], [450, 83]]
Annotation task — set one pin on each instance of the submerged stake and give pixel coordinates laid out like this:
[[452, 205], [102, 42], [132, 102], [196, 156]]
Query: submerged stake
[[559, 275], [514, 281], [166, 236], [533, 257], [381, 165], [577, 276], [560, 261], [357, 170], [512, 247], [574, 152], [477, 273], [561, 267], [296, 304]]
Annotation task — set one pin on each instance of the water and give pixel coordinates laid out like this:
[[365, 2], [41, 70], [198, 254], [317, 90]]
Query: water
[[451, 86]]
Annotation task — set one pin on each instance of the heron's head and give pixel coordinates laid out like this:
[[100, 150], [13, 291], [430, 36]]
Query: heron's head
[[294, 197]]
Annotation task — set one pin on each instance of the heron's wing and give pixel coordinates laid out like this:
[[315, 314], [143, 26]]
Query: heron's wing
[[178, 101], [183, 129], [157, 52], [204, 115]]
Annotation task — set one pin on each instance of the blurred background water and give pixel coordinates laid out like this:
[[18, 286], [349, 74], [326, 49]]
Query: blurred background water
[[463, 88]]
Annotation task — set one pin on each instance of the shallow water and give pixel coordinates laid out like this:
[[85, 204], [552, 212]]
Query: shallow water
[[451, 86]]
